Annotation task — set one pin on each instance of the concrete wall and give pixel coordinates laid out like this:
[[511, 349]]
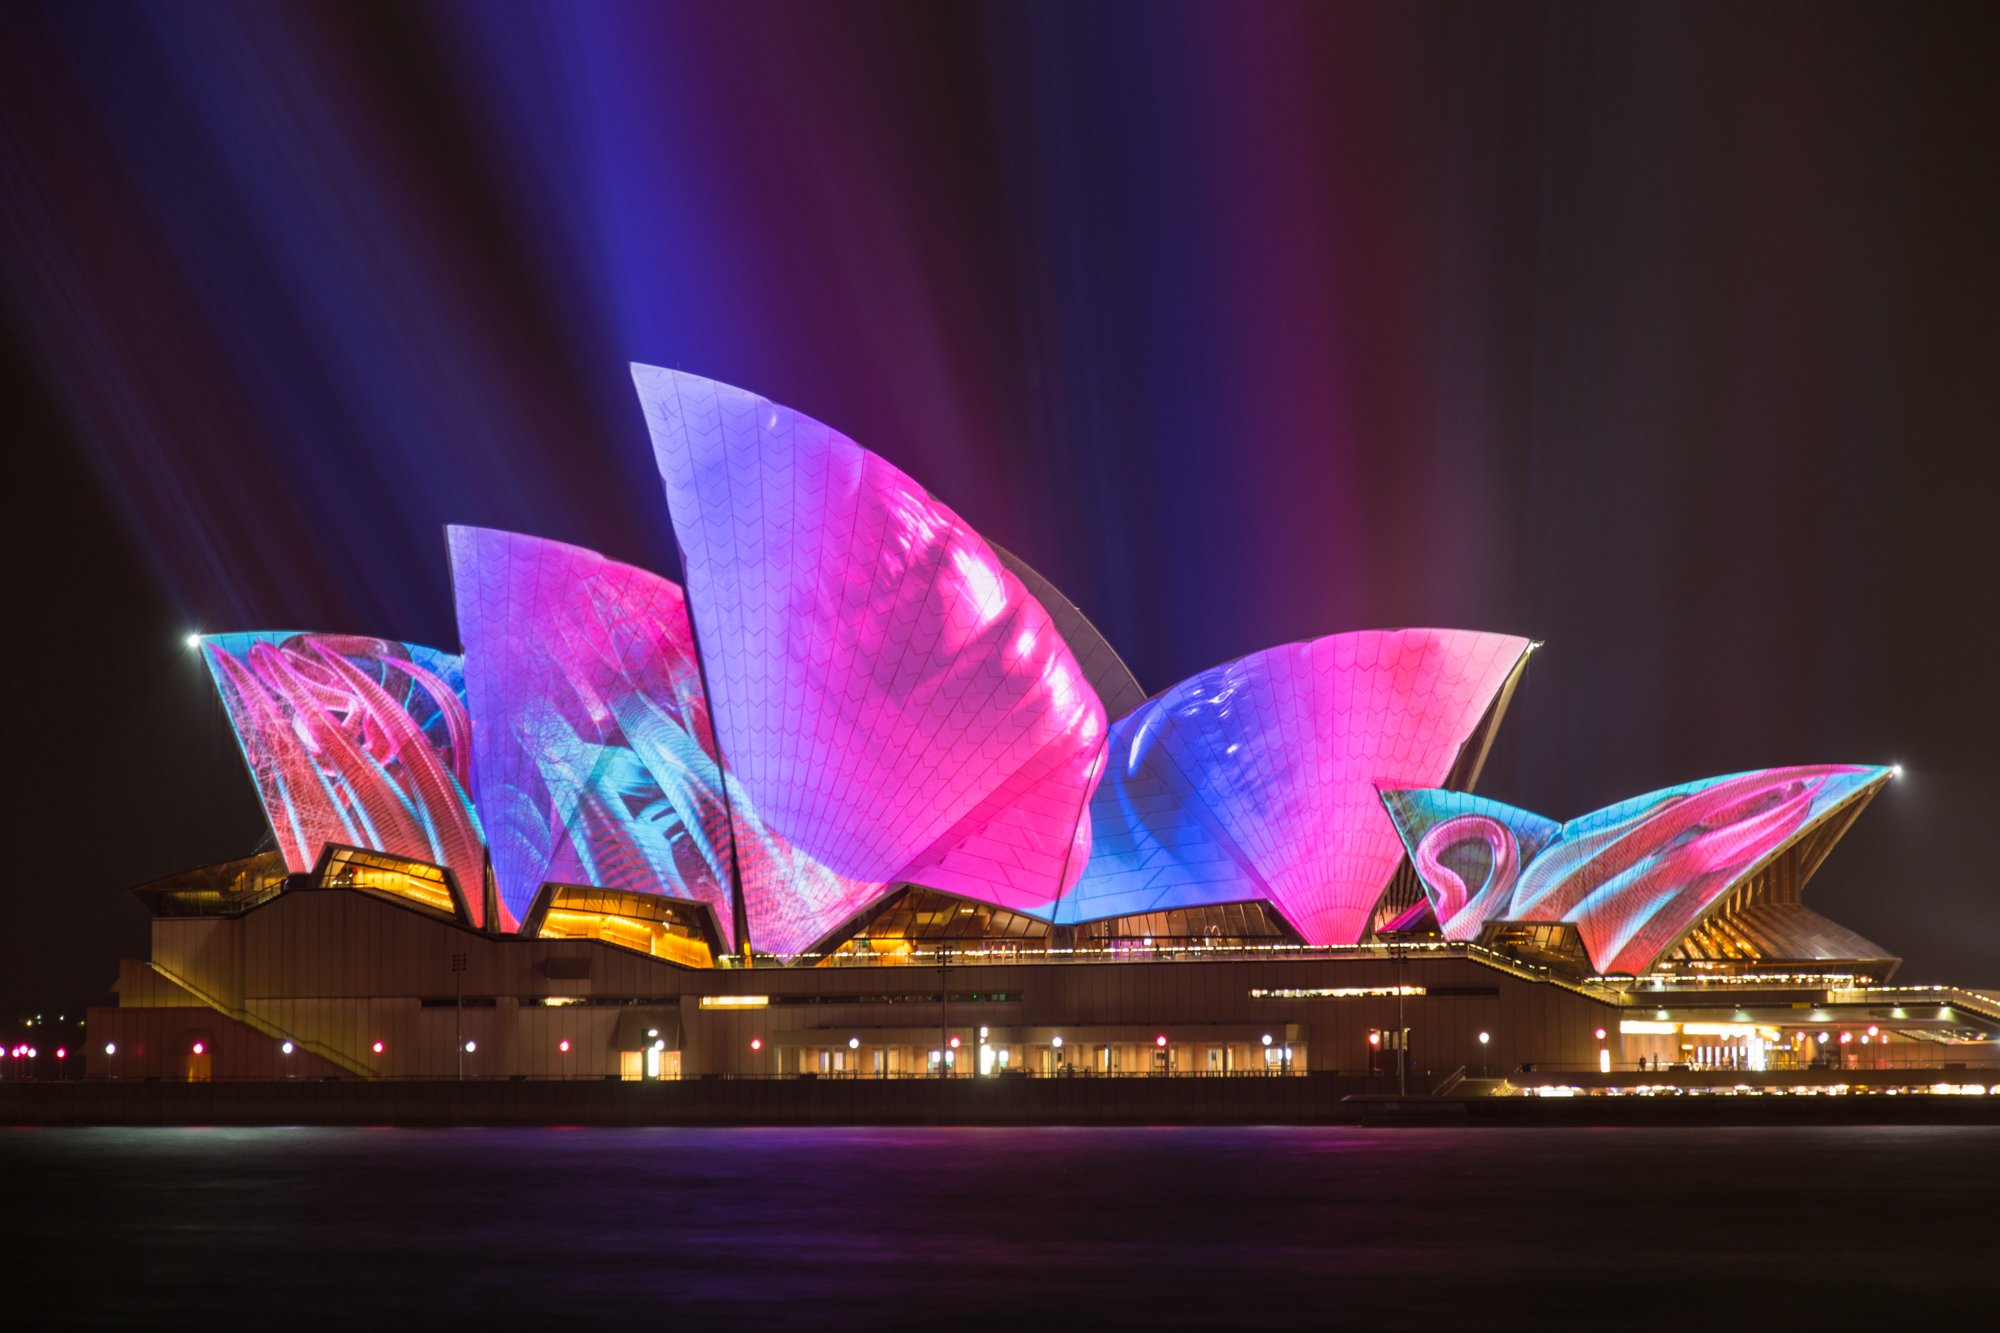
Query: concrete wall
[[338, 972]]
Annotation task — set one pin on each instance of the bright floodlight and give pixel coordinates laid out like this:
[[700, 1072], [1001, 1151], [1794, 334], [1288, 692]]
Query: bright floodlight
[[1895, 770], [193, 641]]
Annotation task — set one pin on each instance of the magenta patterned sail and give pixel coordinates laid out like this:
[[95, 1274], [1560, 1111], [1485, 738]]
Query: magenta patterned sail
[[593, 758], [893, 702], [1634, 877], [1257, 779], [358, 742]]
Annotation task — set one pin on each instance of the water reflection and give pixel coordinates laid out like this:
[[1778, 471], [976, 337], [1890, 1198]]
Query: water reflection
[[187, 1228]]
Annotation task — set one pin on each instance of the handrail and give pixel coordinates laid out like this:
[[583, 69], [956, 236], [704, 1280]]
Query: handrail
[[1949, 997], [263, 1025], [1451, 1080]]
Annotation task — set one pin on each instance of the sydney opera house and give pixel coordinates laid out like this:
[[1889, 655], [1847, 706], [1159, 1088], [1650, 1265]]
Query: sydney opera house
[[868, 797]]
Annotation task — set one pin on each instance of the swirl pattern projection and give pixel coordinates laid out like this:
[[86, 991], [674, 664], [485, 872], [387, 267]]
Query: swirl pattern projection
[[593, 758], [894, 703], [1257, 779], [1633, 877], [357, 741]]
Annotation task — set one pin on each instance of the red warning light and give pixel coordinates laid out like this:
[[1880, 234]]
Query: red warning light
[[1374, 1039], [563, 1045], [1160, 1040], [377, 1048], [62, 1052], [199, 1048], [953, 1043], [1600, 1034]]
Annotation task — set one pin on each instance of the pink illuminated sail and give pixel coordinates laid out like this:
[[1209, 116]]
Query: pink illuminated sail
[[357, 742], [1633, 877], [889, 696], [1257, 779]]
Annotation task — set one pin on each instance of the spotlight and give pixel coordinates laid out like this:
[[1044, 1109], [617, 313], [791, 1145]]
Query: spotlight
[[193, 641]]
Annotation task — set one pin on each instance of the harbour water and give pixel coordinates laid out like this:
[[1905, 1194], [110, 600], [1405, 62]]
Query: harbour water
[[1022, 1227]]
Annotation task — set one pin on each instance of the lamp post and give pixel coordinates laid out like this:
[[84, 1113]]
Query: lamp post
[[458, 1004], [1402, 1032], [944, 1000]]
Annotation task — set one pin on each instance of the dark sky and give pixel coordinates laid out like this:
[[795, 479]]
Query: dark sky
[[1666, 334]]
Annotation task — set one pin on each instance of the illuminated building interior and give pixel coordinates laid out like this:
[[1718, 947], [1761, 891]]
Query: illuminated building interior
[[429, 887], [646, 923]]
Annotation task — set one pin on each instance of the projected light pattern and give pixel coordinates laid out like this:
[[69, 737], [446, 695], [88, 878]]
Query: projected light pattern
[[355, 741], [1257, 779], [593, 759], [891, 699], [1633, 877]]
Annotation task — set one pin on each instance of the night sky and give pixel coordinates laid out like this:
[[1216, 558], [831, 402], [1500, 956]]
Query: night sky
[[1666, 334]]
